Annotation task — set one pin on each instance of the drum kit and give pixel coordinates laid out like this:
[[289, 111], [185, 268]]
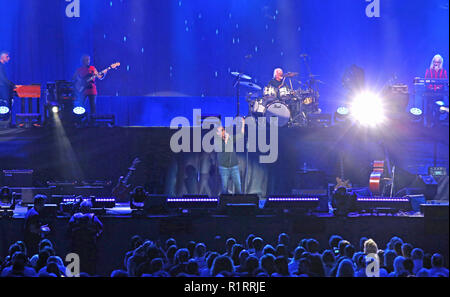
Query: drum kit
[[290, 106]]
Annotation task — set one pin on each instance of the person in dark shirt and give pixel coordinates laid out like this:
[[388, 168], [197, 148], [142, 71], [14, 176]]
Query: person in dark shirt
[[227, 159], [85, 228], [6, 86], [34, 226]]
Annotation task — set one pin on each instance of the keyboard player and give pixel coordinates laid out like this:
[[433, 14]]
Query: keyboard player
[[435, 92]]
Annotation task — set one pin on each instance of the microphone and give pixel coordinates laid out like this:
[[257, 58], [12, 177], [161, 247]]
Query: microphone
[[248, 56]]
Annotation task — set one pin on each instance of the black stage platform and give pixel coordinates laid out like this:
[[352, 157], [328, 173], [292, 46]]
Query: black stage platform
[[106, 153]]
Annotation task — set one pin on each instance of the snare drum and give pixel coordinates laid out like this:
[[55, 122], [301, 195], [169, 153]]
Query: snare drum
[[279, 110]]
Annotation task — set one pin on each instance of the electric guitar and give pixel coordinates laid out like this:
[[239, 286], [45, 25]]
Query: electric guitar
[[122, 189], [81, 84], [341, 182]]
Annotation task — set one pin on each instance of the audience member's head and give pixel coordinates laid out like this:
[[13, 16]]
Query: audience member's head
[[135, 242], [406, 250], [437, 261], [210, 259], [200, 250], [170, 242], [408, 264], [251, 264], [398, 248], [235, 251], [258, 244], [417, 254], [39, 202], [328, 257], [362, 240], [389, 257], [267, 263], [281, 250], [342, 244], [243, 255], [281, 266], [171, 253], [181, 256], [229, 245], [312, 246], [268, 249], [191, 247], [249, 241], [427, 261], [221, 264], [283, 238], [156, 264], [298, 252], [119, 273], [333, 242], [349, 251], [370, 247], [345, 269]]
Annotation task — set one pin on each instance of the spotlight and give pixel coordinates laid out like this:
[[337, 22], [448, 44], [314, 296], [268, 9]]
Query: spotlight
[[440, 103], [79, 110], [55, 109], [4, 108], [416, 114], [343, 111], [367, 109], [341, 114]]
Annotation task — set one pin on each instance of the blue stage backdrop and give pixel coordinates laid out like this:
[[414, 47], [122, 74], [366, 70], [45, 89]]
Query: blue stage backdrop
[[189, 47]]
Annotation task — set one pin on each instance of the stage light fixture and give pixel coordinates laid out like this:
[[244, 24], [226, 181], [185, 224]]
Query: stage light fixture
[[416, 114], [440, 103], [79, 110], [341, 115], [55, 109], [4, 108], [367, 109]]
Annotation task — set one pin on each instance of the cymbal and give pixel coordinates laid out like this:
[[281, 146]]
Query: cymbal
[[241, 75], [290, 74], [250, 85]]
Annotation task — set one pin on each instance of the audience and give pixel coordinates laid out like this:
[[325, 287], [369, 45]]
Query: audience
[[251, 258]]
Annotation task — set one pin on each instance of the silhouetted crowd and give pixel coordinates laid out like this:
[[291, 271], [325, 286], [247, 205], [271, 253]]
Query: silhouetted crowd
[[253, 258]]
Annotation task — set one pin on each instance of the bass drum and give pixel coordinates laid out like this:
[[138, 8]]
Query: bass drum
[[279, 110]]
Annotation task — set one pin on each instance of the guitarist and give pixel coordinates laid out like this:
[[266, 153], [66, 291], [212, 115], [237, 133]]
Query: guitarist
[[88, 89]]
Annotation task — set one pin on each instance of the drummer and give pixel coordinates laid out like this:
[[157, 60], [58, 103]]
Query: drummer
[[278, 80]]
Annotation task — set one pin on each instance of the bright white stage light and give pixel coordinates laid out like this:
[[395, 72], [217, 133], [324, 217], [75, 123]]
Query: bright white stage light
[[55, 109], [79, 110], [416, 111], [343, 111], [440, 103], [4, 110], [367, 109]]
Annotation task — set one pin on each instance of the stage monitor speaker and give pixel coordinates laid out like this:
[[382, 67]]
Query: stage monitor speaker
[[239, 204], [237, 199], [155, 204]]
